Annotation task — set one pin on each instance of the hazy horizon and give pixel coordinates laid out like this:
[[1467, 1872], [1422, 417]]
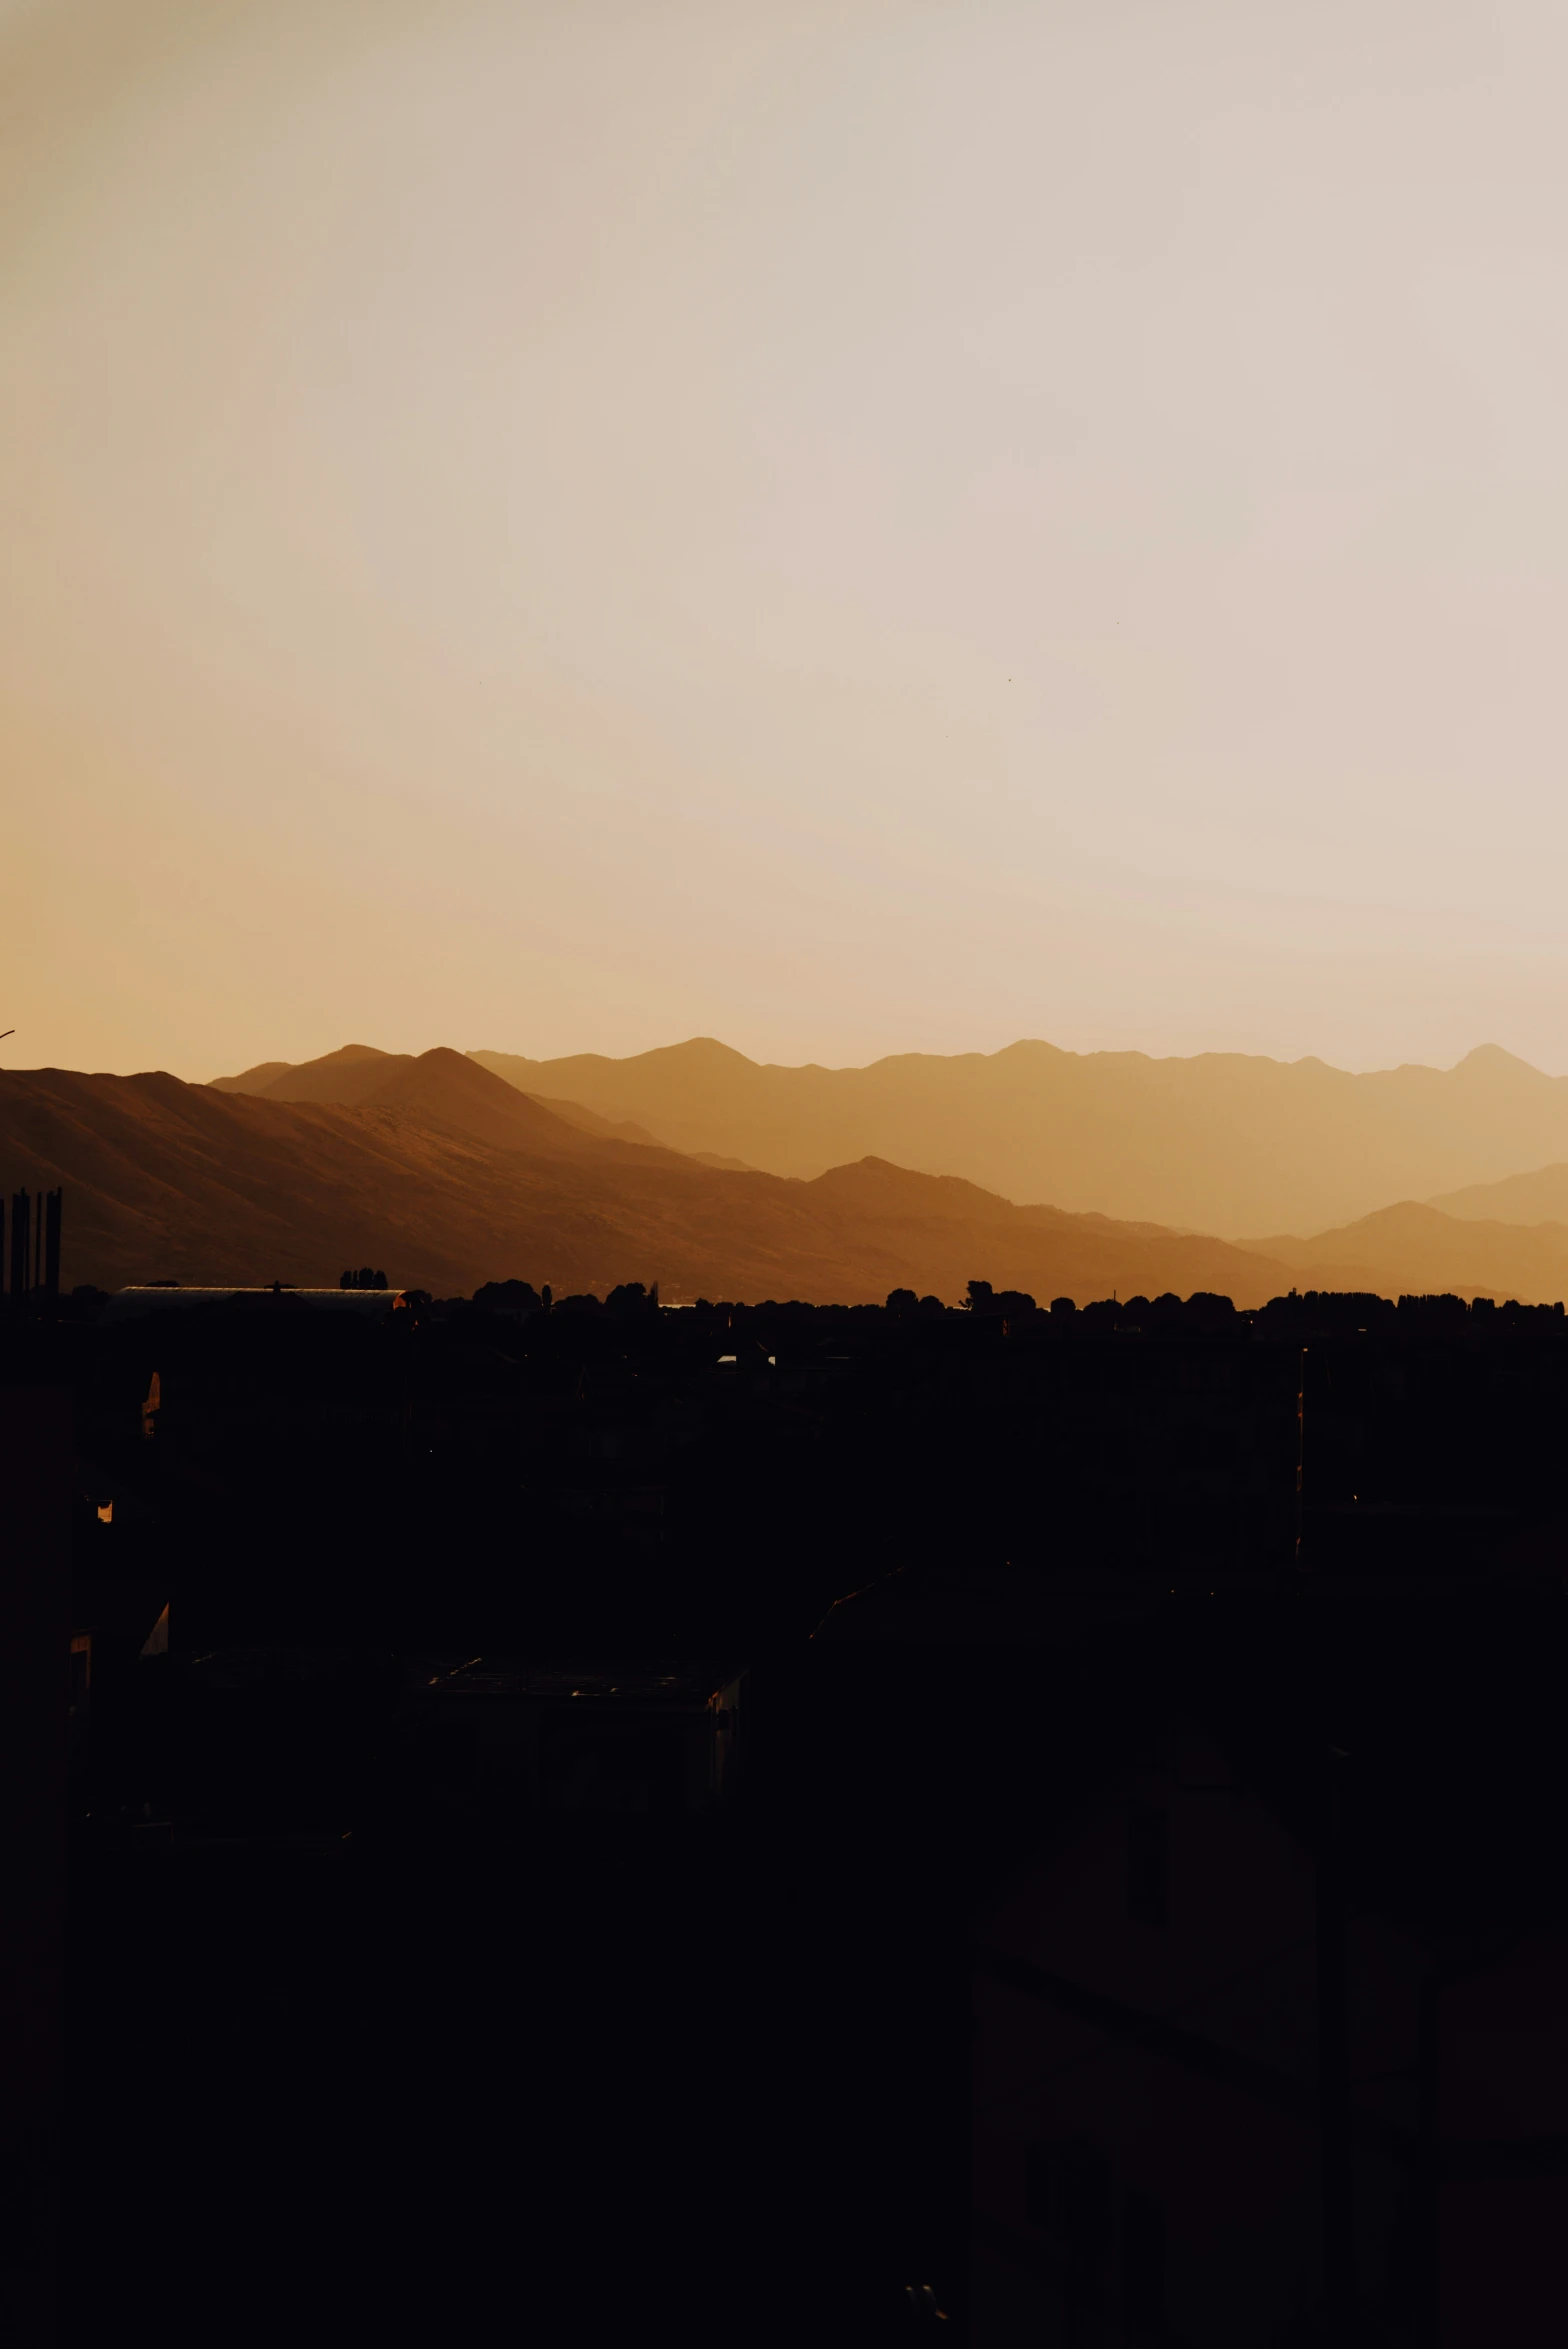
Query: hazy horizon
[[863, 529], [708, 1036], [9, 1058], [1055, 1177]]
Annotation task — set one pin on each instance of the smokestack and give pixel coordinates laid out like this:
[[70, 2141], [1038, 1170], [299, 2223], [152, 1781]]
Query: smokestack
[[19, 1220], [52, 1242]]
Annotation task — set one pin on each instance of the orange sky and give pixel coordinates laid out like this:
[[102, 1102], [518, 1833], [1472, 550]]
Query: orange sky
[[849, 527]]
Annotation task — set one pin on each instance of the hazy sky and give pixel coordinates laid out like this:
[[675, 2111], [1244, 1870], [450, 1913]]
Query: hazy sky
[[848, 528]]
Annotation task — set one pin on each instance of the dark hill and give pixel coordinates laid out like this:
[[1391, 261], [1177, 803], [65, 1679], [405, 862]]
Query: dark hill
[[441, 1087], [167, 1180], [444, 1088], [253, 1080], [347, 1075]]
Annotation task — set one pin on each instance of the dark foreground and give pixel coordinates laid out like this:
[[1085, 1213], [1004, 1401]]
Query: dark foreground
[[1054, 1893]]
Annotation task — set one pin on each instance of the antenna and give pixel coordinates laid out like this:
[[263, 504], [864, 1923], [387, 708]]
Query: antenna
[[4, 1032]]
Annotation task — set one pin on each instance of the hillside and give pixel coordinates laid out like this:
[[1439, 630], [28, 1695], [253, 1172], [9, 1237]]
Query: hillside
[[1220, 1143], [1415, 1248], [1541, 1197], [360, 1076], [440, 1088], [445, 1177], [347, 1075]]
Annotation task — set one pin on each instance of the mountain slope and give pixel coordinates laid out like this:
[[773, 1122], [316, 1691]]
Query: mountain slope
[[1417, 1249], [445, 1088], [346, 1076], [441, 1085], [253, 1080], [1540, 1197], [166, 1180], [588, 1122], [440, 1088], [1222, 1142]]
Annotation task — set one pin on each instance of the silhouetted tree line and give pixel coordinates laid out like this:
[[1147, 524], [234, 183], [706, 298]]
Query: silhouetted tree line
[[520, 1298], [1339, 1311]]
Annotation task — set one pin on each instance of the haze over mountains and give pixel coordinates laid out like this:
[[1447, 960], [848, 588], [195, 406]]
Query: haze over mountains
[[1220, 1143], [1538, 1197], [1416, 1249], [449, 1174]]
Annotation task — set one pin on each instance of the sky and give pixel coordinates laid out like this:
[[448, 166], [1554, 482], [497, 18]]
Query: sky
[[852, 528]]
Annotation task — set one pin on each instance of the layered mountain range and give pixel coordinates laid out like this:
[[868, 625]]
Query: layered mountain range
[[447, 1176], [448, 1171], [1220, 1143]]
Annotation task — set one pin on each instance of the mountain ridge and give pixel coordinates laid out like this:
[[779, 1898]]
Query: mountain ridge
[[1434, 1251], [448, 1175], [173, 1181], [1539, 1196], [1217, 1142]]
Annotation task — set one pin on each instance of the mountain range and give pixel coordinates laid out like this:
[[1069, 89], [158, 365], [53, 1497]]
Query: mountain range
[[447, 1173], [1220, 1143], [445, 1176]]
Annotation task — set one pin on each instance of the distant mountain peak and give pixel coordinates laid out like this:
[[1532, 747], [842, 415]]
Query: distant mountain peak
[[1492, 1056], [251, 1080], [708, 1047]]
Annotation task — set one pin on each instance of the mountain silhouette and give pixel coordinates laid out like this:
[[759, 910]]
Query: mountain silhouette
[[257, 1079], [1415, 1248], [360, 1075], [347, 1075], [1536, 1198], [448, 1177], [610, 1129], [1219, 1143], [447, 1173]]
